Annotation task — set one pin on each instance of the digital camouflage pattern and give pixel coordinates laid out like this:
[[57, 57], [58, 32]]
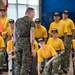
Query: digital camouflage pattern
[[23, 46], [66, 55], [1, 59]]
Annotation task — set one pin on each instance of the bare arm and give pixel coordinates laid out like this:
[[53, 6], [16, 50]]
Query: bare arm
[[39, 66], [12, 57], [14, 34], [32, 38], [54, 57], [73, 34], [10, 52], [61, 52], [65, 38]]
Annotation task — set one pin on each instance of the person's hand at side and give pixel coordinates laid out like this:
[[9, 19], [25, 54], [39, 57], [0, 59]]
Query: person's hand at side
[[33, 53]]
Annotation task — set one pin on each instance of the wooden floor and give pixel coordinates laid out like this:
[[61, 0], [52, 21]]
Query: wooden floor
[[70, 72]]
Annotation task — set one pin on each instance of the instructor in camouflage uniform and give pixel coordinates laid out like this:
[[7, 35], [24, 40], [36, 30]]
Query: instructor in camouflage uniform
[[24, 38]]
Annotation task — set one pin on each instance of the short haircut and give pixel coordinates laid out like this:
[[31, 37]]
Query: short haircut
[[29, 9]]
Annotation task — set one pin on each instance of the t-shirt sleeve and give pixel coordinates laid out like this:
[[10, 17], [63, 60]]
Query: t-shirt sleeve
[[2, 43]]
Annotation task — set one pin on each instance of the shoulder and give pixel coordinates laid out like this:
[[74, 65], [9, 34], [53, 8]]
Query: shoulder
[[73, 40], [50, 38], [10, 41], [43, 27], [60, 40], [49, 46], [52, 23]]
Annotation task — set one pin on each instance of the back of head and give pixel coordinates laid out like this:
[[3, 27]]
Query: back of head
[[29, 10]]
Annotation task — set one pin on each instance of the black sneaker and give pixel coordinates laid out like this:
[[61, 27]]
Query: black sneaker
[[64, 70]]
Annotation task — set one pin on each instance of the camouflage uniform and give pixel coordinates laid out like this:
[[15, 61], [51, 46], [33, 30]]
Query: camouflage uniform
[[67, 51], [63, 57], [23, 46], [1, 59], [53, 67], [66, 55]]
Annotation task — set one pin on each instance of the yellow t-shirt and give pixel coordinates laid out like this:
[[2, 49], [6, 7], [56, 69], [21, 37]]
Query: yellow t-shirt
[[4, 21], [40, 32], [1, 42], [10, 46], [9, 31], [56, 43], [73, 44], [36, 46], [70, 26], [46, 53], [60, 26]]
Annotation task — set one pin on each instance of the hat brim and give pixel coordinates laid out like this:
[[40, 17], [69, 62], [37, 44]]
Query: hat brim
[[2, 9], [56, 15], [54, 31], [37, 21], [65, 12]]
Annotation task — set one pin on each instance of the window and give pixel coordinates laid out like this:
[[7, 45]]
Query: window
[[22, 1], [33, 2], [17, 8], [11, 13], [21, 10], [12, 1]]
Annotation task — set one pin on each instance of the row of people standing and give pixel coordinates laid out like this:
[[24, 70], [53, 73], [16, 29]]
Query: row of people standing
[[66, 31]]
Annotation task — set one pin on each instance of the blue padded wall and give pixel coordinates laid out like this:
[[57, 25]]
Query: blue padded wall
[[51, 6]]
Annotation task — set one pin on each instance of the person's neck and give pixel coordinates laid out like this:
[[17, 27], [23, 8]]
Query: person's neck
[[57, 21], [3, 16], [54, 37], [29, 16], [64, 18]]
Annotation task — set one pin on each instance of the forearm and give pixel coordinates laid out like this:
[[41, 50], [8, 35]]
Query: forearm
[[65, 38], [39, 66], [54, 57], [73, 34], [14, 34], [9, 52], [61, 52], [32, 38]]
